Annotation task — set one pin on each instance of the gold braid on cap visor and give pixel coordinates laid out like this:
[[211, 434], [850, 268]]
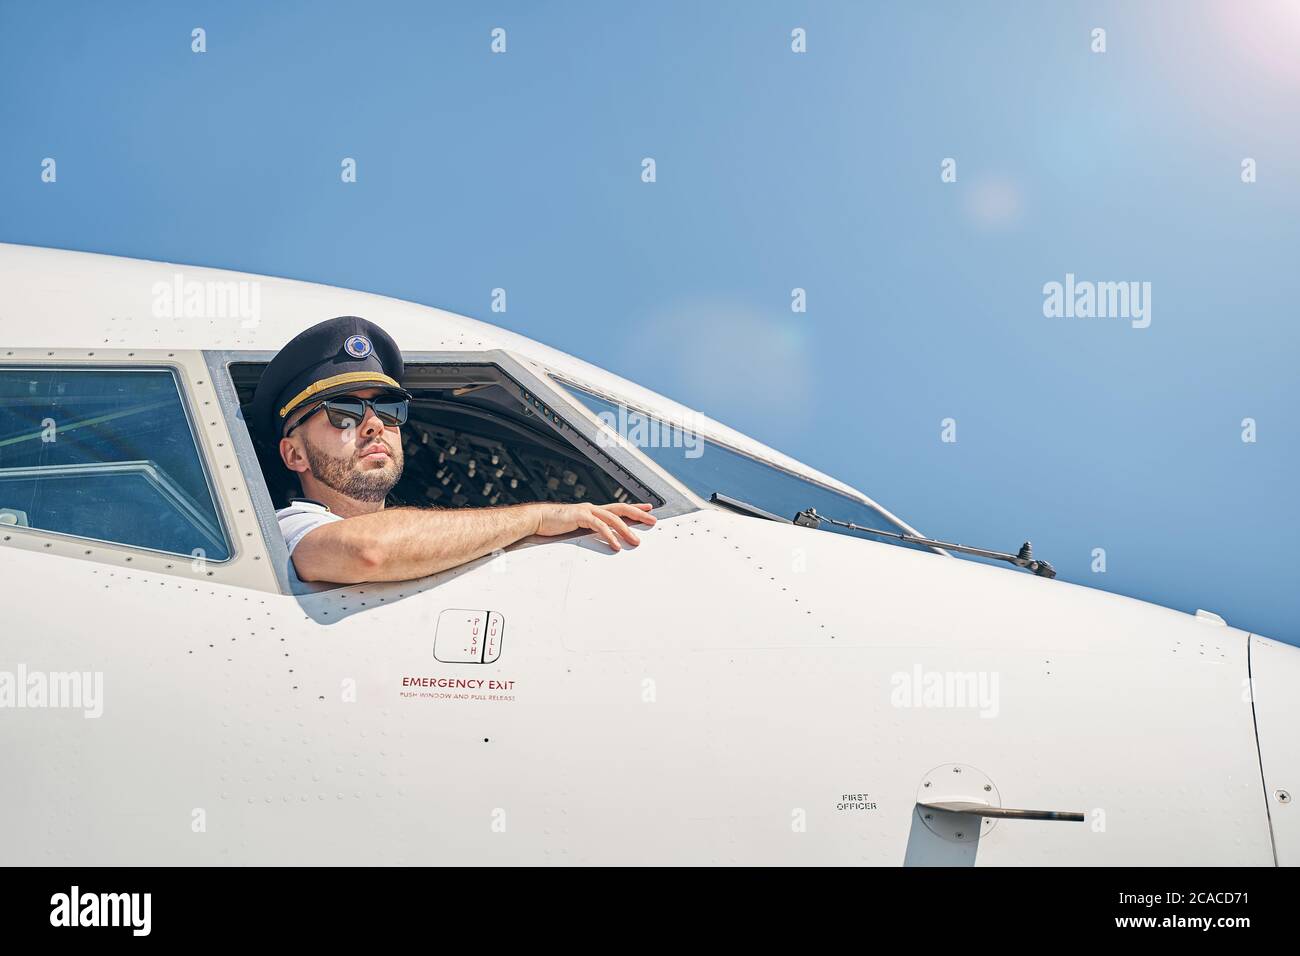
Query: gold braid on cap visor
[[373, 378]]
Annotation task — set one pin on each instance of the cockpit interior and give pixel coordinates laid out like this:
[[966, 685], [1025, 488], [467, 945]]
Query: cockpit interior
[[475, 438]]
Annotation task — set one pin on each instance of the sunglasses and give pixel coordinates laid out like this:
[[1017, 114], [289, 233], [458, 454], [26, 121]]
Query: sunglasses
[[349, 411]]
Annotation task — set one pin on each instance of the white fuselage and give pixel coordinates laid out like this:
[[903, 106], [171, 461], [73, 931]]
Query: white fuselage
[[734, 690]]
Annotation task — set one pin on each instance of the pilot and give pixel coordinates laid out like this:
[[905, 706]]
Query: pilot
[[331, 404]]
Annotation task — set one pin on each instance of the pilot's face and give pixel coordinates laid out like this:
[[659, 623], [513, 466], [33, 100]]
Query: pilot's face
[[362, 462]]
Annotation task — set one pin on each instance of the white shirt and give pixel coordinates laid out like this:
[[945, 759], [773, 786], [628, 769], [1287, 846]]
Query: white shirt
[[302, 515]]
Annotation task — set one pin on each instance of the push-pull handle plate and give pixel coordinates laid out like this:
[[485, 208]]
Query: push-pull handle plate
[[960, 803]]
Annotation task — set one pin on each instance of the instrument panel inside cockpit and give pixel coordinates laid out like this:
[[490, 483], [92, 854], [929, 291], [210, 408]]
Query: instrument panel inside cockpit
[[459, 456]]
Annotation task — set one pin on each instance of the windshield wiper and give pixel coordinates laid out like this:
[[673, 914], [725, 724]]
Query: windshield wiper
[[809, 518], [744, 507]]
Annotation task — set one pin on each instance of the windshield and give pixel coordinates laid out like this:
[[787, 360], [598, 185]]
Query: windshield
[[709, 468]]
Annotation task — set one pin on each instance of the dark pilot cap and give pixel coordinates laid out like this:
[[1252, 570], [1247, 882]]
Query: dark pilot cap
[[331, 358]]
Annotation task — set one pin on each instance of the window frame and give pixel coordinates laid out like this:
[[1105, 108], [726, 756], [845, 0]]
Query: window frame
[[238, 568], [566, 383], [574, 416]]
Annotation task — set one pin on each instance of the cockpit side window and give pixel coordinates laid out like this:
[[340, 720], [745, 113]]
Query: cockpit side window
[[105, 454], [709, 468], [478, 437]]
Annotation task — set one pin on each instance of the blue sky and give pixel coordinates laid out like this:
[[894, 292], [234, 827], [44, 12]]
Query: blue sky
[[775, 170]]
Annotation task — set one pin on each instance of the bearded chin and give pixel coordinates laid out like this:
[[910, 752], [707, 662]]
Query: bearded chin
[[369, 486]]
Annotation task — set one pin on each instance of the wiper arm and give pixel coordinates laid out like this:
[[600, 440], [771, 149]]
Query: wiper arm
[[744, 507], [809, 518]]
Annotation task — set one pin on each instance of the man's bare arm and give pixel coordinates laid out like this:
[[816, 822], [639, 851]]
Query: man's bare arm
[[399, 544]]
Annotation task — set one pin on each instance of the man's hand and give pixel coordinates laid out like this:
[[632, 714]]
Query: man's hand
[[608, 521]]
